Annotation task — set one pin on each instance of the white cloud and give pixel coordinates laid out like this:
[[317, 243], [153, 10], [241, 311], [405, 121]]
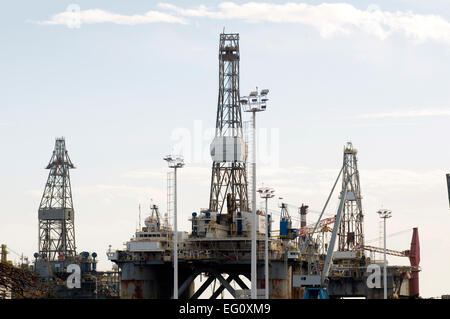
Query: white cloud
[[92, 16], [329, 18], [407, 113]]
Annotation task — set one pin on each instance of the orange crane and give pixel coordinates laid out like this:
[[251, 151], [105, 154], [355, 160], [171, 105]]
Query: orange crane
[[303, 231]]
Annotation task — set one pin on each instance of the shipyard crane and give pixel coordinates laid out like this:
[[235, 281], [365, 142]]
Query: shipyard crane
[[286, 230], [380, 250], [317, 282], [21, 256], [308, 230]]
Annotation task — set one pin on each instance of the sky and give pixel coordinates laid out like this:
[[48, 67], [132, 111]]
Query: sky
[[127, 83]]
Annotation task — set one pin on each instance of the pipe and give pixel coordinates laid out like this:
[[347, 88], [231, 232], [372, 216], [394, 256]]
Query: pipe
[[414, 258]]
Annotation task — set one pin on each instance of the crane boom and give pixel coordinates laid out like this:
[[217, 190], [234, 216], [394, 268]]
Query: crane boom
[[381, 250], [329, 257], [303, 231]]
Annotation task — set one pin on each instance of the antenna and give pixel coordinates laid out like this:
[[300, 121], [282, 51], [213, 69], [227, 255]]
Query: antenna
[[139, 216]]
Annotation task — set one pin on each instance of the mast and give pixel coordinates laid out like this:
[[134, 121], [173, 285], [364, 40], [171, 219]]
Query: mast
[[228, 149], [56, 213]]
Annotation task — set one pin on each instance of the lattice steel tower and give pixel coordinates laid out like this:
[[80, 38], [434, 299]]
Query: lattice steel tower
[[228, 149], [56, 214], [351, 232]]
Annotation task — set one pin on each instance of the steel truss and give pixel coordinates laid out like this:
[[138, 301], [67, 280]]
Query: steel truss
[[229, 179], [56, 214]]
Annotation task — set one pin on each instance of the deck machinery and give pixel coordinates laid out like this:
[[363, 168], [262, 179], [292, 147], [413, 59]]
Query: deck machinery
[[219, 244]]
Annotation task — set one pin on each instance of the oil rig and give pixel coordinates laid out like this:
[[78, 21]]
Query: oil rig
[[302, 261], [57, 265]]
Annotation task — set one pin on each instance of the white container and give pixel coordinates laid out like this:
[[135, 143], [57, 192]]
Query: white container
[[228, 149], [247, 219], [144, 246]]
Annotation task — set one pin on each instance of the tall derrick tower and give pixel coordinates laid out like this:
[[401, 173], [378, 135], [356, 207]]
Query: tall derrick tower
[[351, 232], [56, 214], [228, 149]]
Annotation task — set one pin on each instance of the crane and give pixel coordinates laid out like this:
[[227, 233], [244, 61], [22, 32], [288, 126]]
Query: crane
[[391, 252], [307, 230], [316, 283], [286, 230]]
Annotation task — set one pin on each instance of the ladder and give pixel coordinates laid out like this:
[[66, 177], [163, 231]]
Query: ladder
[[170, 198], [248, 138]]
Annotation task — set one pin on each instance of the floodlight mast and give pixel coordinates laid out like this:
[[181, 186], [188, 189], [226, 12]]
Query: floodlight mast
[[266, 193], [384, 214], [175, 162], [255, 102]]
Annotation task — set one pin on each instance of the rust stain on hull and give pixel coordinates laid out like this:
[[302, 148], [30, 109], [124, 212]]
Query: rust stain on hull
[[131, 289]]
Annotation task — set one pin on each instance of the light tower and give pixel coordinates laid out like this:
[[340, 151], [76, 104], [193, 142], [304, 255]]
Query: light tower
[[266, 193], [175, 162], [385, 214], [351, 226], [56, 214], [228, 149], [255, 102]]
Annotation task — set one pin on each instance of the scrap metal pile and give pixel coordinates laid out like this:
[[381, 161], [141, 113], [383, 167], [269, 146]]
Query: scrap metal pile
[[20, 283]]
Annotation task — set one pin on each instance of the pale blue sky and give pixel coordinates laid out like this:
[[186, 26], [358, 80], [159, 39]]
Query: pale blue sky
[[117, 92]]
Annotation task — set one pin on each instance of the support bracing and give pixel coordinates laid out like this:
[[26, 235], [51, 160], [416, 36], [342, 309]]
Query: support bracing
[[187, 282], [240, 282], [203, 287], [220, 289], [228, 149], [351, 232], [226, 284], [56, 213], [212, 276]]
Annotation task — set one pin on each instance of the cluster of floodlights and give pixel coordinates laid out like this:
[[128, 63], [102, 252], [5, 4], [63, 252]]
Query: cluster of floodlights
[[174, 161], [266, 192], [384, 213], [255, 101]]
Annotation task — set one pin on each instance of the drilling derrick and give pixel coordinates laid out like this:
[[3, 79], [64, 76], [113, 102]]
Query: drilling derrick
[[228, 149], [351, 227], [56, 215]]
